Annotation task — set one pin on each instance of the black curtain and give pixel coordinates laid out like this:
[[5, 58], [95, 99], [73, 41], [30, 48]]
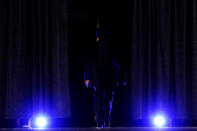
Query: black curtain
[[164, 58], [33, 59]]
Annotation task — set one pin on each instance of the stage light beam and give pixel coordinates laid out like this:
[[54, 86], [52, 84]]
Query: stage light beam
[[41, 122], [159, 121]]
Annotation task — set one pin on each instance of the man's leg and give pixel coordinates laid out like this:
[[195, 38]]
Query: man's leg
[[108, 104], [99, 107]]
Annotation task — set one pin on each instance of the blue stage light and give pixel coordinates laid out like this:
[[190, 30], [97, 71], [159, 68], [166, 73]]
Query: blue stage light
[[41, 122], [159, 121]]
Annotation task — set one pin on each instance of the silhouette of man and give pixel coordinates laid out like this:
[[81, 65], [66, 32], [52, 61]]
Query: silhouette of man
[[101, 73]]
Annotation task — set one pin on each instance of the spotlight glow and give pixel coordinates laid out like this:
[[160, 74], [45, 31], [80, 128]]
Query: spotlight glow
[[41, 122], [159, 121]]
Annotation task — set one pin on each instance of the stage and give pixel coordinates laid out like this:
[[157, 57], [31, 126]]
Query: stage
[[108, 129]]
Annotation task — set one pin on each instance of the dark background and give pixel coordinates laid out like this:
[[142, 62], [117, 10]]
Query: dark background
[[82, 27], [42, 52]]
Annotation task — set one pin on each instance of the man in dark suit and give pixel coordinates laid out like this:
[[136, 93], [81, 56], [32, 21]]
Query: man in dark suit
[[102, 73]]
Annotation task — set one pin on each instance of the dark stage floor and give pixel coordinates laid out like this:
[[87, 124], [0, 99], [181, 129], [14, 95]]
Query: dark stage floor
[[108, 129]]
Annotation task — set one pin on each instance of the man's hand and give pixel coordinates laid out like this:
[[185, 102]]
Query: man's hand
[[87, 83]]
